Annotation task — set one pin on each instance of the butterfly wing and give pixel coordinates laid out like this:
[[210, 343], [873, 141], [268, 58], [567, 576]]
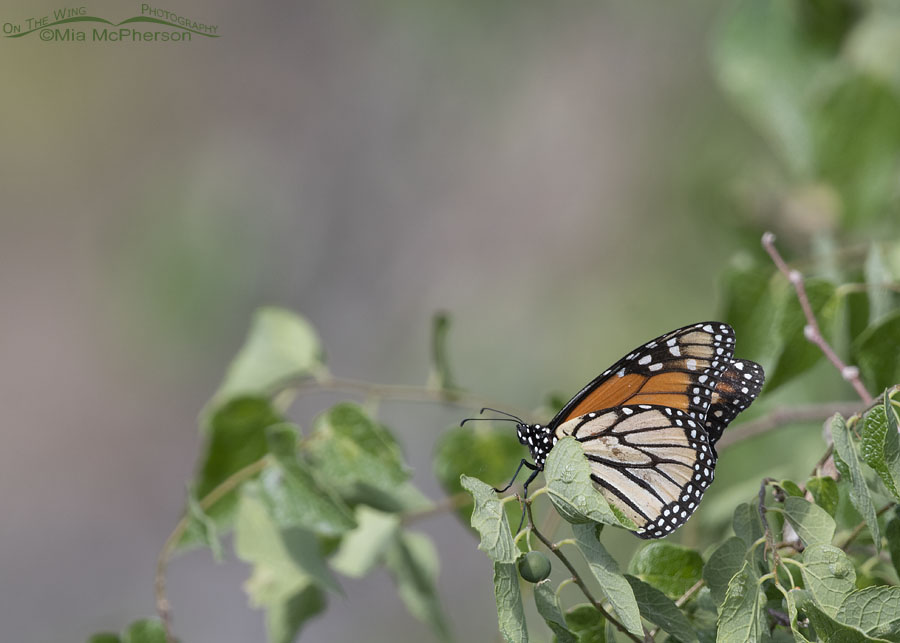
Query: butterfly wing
[[679, 370], [738, 386], [652, 462]]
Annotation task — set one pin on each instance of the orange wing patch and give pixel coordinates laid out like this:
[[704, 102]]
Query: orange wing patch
[[613, 392], [678, 370], [666, 389]]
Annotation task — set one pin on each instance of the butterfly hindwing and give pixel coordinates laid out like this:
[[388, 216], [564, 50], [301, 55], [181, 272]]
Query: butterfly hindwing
[[652, 462], [679, 370], [738, 386]]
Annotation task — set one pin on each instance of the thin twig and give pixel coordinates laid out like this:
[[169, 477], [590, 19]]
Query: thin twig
[[785, 415], [693, 589], [822, 460], [811, 331], [450, 503], [684, 598], [859, 528], [163, 608], [577, 578], [396, 392]]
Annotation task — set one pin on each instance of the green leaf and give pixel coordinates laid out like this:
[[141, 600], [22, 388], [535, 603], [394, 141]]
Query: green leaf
[[236, 437], [798, 354], [875, 352], [548, 608], [878, 274], [362, 549], [201, 528], [874, 44], [441, 376], [282, 440], [723, 564], [145, 631], [569, 486], [828, 630], [791, 488], [892, 536], [880, 445], [671, 568], [746, 524], [510, 615], [490, 521], [828, 575], [613, 584], [285, 560], [741, 618], [791, 599], [587, 624], [703, 615], [858, 158], [874, 610], [848, 465], [285, 619], [825, 492], [295, 498], [659, 609], [357, 457], [750, 307], [767, 71], [812, 523], [280, 346], [413, 562], [488, 453]]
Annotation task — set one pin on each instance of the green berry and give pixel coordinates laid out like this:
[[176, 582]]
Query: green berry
[[534, 567]]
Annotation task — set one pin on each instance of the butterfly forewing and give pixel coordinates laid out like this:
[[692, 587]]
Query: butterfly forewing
[[738, 386], [652, 462], [678, 370]]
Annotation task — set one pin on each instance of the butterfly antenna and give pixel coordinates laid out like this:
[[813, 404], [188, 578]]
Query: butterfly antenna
[[487, 420], [509, 415]]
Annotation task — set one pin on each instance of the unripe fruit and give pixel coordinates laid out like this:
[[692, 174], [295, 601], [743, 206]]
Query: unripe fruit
[[534, 566]]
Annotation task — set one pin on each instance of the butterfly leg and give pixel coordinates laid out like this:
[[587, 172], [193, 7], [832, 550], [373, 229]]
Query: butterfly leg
[[534, 473], [523, 463]]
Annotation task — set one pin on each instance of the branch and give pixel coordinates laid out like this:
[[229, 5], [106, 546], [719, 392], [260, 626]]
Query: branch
[[450, 503], [396, 392], [163, 608], [576, 577], [811, 331], [859, 528], [684, 598], [785, 415]]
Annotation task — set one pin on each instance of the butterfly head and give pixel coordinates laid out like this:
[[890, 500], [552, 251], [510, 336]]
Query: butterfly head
[[538, 438]]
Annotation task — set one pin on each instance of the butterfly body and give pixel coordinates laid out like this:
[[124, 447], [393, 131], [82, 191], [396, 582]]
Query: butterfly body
[[649, 423]]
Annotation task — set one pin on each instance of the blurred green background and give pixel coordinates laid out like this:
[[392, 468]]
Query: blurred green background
[[567, 181]]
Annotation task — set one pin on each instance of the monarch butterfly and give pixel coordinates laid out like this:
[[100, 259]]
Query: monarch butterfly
[[650, 422]]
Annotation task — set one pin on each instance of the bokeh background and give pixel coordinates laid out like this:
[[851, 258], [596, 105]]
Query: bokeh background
[[564, 180]]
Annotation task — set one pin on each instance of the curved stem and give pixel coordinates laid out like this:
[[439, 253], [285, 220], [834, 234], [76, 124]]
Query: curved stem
[[812, 332], [163, 608], [861, 526], [396, 392], [784, 415], [576, 577], [684, 598]]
